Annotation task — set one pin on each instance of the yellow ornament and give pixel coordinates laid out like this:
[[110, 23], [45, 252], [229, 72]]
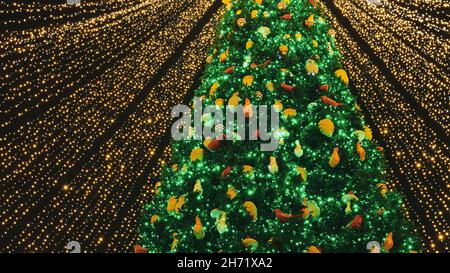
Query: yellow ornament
[[171, 204], [341, 74], [361, 152], [282, 5], [241, 22], [313, 249], [212, 90], [156, 189], [219, 102], [298, 151], [334, 159], [382, 187], [289, 112], [326, 127], [251, 209], [278, 106], [368, 132], [223, 57], [311, 67], [198, 186], [273, 166], [247, 80], [264, 31], [254, 14], [174, 245], [248, 169], [199, 232], [287, 36], [284, 50], [154, 219], [313, 208], [249, 44], [315, 43], [180, 203], [234, 100], [258, 2], [209, 59], [197, 154], [250, 243], [310, 21], [231, 192], [303, 173], [270, 86]]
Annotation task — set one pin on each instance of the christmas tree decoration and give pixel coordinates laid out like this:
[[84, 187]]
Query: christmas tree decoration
[[324, 87], [388, 242], [326, 127], [303, 173], [199, 232], [311, 67], [231, 192], [229, 70], [249, 44], [232, 196], [247, 80], [356, 222], [334, 159], [361, 152], [251, 209], [382, 188], [287, 16], [273, 166], [140, 249], [284, 49], [264, 31], [313, 249], [329, 101], [250, 244], [310, 21], [154, 219], [341, 74], [241, 22], [287, 87], [198, 186], [298, 151]]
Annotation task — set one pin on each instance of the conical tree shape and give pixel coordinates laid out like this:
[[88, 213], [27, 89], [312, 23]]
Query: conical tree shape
[[323, 189]]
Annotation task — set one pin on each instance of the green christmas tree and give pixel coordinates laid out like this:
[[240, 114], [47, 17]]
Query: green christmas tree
[[322, 190]]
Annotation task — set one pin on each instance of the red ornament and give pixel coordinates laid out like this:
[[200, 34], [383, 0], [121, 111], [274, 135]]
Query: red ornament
[[287, 16], [329, 101], [283, 217], [226, 171], [230, 69], [356, 222], [313, 3], [324, 87], [215, 144], [287, 87], [140, 249]]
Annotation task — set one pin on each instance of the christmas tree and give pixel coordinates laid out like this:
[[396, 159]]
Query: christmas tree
[[323, 189]]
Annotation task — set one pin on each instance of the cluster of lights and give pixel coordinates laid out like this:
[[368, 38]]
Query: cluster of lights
[[65, 179], [405, 36]]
